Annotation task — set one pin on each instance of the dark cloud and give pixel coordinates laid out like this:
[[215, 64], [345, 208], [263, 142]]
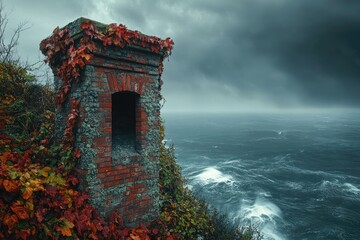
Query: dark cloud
[[303, 51], [233, 55], [316, 44]]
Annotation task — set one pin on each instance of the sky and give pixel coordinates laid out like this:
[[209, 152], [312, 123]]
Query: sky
[[229, 55]]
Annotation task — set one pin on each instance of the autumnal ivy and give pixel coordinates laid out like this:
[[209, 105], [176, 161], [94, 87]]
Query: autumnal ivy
[[40, 200], [68, 57]]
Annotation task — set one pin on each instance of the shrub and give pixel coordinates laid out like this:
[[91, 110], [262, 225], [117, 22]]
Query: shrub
[[185, 215]]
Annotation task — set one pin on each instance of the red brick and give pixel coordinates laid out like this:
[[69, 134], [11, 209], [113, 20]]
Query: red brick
[[110, 184], [131, 197], [105, 169], [107, 129], [105, 105], [104, 165]]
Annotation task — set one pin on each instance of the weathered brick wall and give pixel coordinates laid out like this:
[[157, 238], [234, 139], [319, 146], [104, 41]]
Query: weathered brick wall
[[128, 181]]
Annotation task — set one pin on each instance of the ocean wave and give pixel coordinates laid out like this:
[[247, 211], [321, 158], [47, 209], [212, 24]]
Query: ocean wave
[[264, 214], [262, 211], [294, 185], [351, 188], [271, 234], [231, 162], [278, 137], [212, 175], [204, 157], [330, 186], [324, 174], [265, 194]]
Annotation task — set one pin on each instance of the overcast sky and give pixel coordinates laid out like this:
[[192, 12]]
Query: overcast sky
[[238, 55]]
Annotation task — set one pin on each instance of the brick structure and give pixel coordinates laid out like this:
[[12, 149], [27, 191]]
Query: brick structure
[[119, 128]]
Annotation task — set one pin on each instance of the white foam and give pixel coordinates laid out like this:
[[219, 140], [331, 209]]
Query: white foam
[[351, 188], [262, 211], [294, 185], [330, 186], [212, 175], [265, 194], [204, 157], [190, 187], [232, 162], [271, 234], [265, 215]]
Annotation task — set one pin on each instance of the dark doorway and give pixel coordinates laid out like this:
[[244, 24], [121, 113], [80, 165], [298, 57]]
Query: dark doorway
[[123, 122]]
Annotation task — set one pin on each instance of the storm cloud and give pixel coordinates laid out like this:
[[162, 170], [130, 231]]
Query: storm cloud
[[231, 55]]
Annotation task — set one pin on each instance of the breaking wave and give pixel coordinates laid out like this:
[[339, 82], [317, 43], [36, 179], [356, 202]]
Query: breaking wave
[[263, 214], [212, 175]]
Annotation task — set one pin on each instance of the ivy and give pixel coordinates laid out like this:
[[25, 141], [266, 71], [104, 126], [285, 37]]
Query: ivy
[[68, 58]]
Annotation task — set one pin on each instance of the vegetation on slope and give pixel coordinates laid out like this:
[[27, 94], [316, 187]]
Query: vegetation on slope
[[38, 192]]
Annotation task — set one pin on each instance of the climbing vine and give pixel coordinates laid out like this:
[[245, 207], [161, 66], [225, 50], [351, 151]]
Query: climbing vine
[[68, 57]]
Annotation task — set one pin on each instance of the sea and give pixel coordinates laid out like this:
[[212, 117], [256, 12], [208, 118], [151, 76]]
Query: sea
[[292, 175]]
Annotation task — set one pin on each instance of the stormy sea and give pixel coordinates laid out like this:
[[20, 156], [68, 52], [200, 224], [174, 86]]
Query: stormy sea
[[293, 175]]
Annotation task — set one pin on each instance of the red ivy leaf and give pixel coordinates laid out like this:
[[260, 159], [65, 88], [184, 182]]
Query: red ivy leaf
[[39, 215], [76, 153], [10, 220], [73, 180]]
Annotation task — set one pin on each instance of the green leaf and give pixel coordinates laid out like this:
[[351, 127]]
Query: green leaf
[[13, 174]]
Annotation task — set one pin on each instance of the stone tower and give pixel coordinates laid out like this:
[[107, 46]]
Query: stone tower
[[118, 129]]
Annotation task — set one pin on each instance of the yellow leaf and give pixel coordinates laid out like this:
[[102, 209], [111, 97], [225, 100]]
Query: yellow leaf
[[27, 193], [30, 205], [36, 184], [27, 175], [46, 169], [65, 229]]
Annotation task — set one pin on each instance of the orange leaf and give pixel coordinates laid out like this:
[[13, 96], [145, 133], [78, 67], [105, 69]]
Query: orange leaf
[[65, 232], [10, 220], [11, 186], [19, 210], [65, 229], [87, 57], [27, 193], [134, 237]]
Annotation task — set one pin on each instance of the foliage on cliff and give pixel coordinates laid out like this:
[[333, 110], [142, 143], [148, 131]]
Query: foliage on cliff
[[185, 215], [38, 190]]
